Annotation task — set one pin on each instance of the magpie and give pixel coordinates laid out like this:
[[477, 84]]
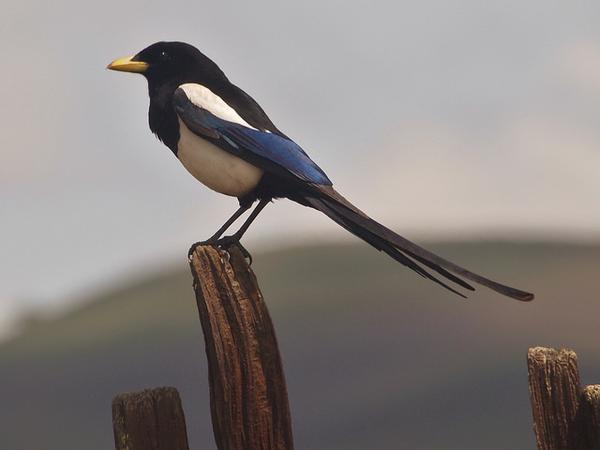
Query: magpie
[[224, 139]]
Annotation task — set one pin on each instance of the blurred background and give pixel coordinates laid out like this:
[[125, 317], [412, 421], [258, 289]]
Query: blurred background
[[471, 127]]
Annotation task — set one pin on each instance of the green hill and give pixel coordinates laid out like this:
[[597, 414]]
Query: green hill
[[376, 357]]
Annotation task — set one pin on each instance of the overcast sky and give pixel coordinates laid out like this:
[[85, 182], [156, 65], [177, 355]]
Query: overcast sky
[[440, 118]]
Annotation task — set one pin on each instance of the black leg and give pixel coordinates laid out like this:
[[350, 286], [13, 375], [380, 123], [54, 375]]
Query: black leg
[[239, 233], [241, 210], [213, 239], [227, 241]]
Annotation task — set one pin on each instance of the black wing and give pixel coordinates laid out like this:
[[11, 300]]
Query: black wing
[[269, 151]]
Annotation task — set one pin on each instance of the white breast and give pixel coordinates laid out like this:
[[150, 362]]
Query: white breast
[[214, 167]]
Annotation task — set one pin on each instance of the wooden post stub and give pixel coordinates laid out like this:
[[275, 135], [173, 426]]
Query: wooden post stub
[[591, 412], [248, 395], [554, 390], [149, 420]]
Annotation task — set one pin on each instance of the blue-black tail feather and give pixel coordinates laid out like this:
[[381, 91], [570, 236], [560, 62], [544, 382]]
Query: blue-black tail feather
[[335, 206]]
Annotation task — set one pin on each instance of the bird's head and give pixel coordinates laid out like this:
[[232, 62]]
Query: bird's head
[[172, 63]]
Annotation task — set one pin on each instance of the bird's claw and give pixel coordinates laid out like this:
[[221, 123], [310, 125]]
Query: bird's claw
[[195, 245], [228, 241], [223, 244]]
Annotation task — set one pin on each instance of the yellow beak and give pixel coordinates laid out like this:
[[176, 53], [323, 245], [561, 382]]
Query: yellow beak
[[127, 65]]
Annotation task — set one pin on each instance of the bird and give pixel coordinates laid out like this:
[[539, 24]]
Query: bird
[[225, 140]]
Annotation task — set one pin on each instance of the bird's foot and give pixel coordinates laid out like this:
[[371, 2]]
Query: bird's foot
[[224, 244], [198, 244], [228, 241]]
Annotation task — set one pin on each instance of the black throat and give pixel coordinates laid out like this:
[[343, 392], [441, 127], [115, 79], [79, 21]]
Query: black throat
[[161, 114]]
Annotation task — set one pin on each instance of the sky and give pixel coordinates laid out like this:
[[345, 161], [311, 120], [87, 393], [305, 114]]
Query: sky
[[442, 119]]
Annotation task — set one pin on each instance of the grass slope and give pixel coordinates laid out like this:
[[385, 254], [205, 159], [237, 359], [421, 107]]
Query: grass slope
[[375, 356]]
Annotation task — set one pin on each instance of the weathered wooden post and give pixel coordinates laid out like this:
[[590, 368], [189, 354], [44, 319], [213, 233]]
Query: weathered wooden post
[[248, 395], [565, 416], [591, 411], [554, 389], [149, 420]]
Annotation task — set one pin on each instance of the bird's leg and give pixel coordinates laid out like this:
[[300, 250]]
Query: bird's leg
[[241, 210], [214, 238], [239, 233], [227, 241]]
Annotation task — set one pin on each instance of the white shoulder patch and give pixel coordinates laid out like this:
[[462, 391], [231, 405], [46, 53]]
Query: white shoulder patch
[[204, 98]]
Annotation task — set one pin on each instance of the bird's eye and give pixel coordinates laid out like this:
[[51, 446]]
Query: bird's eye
[[164, 55]]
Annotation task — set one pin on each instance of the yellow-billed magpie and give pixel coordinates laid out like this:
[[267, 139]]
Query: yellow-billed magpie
[[225, 140]]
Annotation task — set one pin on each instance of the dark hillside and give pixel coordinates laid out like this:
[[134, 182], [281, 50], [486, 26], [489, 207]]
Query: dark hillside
[[376, 357]]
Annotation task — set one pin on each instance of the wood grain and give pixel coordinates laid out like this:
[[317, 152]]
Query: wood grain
[[249, 403], [149, 420], [554, 389], [591, 412]]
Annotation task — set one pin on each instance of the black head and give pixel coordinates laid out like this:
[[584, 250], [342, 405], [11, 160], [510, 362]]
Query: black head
[[171, 63]]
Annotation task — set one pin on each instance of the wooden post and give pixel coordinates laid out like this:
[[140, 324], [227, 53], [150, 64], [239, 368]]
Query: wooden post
[[248, 396], [591, 408], [149, 420], [565, 416], [554, 390]]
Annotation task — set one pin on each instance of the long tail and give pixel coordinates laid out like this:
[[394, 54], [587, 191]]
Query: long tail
[[336, 207]]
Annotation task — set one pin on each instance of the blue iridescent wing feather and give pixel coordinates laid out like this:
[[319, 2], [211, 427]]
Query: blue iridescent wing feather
[[267, 150]]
